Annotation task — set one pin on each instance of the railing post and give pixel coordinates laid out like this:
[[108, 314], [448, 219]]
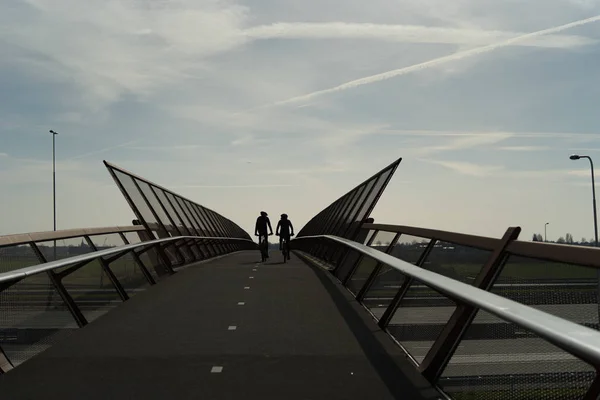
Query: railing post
[[113, 278], [445, 345], [369, 282], [360, 238], [139, 262], [395, 303], [60, 288], [5, 364], [354, 266], [160, 254]]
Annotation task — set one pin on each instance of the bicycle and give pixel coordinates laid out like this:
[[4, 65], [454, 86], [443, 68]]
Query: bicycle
[[285, 248], [263, 246]]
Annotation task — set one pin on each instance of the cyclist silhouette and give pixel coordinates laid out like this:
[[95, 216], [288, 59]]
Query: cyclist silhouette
[[260, 230], [262, 223], [284, 229]]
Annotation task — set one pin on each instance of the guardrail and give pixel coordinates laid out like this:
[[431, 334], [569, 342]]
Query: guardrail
[[464, 325], [41, 300]]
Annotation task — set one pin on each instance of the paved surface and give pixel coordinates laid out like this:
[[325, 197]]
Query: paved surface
[[230, 329]]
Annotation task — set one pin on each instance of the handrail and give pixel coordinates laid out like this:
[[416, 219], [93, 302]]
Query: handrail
[[559, 253], [26, 238], [36, 269], [576, 339], [463, 239]]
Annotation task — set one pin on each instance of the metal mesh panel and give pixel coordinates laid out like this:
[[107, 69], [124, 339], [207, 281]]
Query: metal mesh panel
[[153, 263], [32, 318], [65, 248], [498, 360], [16, 257], [107, 241], [140, 207], [565, 290], [91, 289], [457, 262], [369, 203], [363, 270], [382, 240], [389, 280], [409, 248], [129, 274], [419, 320], [343, 216]]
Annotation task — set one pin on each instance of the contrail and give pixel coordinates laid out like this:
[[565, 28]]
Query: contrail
[[432, 63], [102, 150]]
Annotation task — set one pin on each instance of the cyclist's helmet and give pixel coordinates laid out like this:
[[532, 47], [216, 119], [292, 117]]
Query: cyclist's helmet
[[284, 216], [263, 213]]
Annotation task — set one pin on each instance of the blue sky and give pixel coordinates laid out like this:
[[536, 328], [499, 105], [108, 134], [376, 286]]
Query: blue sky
[[228, 103]]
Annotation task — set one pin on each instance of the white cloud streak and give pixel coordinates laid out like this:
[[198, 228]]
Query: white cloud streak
[[467, 168], [404, 33], [433, 63], [524, 148], [232, 186], [102, 150], [466, 142]]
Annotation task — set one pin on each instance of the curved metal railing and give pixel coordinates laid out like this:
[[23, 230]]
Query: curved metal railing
[[47, 291], [467, 335]]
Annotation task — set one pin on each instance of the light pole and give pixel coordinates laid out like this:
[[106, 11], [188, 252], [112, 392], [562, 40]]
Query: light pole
[[577, 157], [54, 181], [545, 236]]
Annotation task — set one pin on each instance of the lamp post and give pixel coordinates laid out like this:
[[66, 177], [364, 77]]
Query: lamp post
[[54, 181], [545, 236], [578, 157]]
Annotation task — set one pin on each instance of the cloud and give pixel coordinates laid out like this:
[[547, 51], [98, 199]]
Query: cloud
[[517, 134], [524, 148], [432, 63], [112, 48], [467, 168], [466, 142], [404, 34], [103, 150], [232, 186], [3, 155]]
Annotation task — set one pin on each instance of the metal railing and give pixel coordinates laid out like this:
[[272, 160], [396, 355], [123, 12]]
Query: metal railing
[[479, 317], [48, 289]]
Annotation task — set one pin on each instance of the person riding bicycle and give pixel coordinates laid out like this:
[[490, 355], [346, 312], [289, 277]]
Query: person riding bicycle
[[260, 229], [262, 223], [284, 230]]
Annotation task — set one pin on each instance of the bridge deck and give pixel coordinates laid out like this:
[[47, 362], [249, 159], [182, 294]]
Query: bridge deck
[[298, 335]]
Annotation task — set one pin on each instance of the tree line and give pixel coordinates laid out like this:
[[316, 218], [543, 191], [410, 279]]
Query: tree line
[[567, 239]]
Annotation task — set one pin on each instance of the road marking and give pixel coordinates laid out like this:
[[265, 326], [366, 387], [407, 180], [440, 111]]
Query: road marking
[[254, 270], [216, 370], [232, 328], [251, 277], [246, 287], [241, 303]]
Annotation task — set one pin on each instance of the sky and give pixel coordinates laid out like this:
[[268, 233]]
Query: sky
[[284, 106]]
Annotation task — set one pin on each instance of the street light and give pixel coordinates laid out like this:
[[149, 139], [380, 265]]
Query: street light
[[545, 237], [54, 181], [578, 157]]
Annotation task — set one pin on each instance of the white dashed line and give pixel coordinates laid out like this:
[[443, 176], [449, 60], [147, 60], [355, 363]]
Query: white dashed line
[[246, 287], [251, 277], [232, 328], [254, 270], [241, 303], [216, 370]]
